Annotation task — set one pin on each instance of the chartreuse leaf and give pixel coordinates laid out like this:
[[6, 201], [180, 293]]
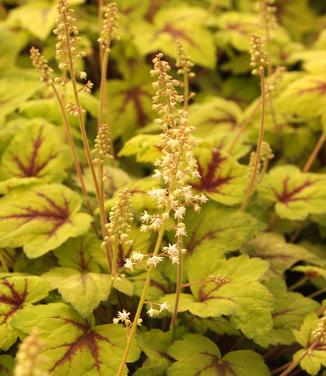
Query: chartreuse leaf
[[295, 194], [155, 344], [73, 345], [280, 255], [315, 358], [197, 355], [229, 288], [222, 178], [215, 114], [36, 151], [130, 104], [16, 294], [83, 290], [37, 17], [13, 92], [217, 230], [309, 92], [289, 312], [311, 271], [144, 147], [7, 363], [183, 23], [41, 218]]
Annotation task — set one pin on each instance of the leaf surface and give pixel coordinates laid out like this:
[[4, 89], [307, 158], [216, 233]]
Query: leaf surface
[[198, 356], [16, 294], [73, 345], [41, 218]]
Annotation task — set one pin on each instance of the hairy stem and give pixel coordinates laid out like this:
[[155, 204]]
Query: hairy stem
[[253, 177], [178, 289], [141, 303], [74, 152], [85, 142]]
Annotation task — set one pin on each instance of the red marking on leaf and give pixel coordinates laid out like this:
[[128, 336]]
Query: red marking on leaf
[[33, 167], [176, 33], [211, 181], [84, 264], [134, 95], [88, 339], [287, 196], [240, 27], [53, 213], [320, 88], [222, 367], [15, 300]]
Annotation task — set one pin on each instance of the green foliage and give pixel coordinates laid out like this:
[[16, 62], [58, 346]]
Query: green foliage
[[251, 280]]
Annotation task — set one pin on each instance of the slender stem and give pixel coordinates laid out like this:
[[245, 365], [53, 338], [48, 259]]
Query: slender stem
[[141, 303], [316, 293], [243, 127], [115, 257], [178, 290], [299, 283], [100, 20], [85, 142], [74, 152], [315, 152], [253, 177], [294, 364], [277, 370]]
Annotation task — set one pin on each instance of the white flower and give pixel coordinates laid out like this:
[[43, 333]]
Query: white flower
[[164, 307], [83, 75], [124, 315], [128, 264], [154, 260], [172, 250], [139, 322], [145, 217], [137, 256], [157, 223], [152, 312], [116, 321], [179, 212], [181, 230], [203, 199]]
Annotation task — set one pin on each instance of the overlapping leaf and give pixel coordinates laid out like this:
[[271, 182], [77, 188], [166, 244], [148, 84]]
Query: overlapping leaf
[[198, 356], [289, 312], [16, 294], [221, 178], [144, 147], [73, 345], [180, 23], [230, 288], [216, 231], [315, 358], [295, 194], [41, 218], [6, 365], [130, 105], [36, 153], [280, 255]]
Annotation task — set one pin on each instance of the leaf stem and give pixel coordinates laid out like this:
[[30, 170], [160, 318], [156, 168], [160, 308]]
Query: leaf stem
[[141, 303], [3, 262], [315, 152], [253, 177]]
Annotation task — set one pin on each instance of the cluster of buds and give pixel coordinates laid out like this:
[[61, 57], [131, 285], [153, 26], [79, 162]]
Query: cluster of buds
[[109, 26], [102, 149], [259, 58], [120, 219], [267, 11], [123, 317], [160, 307], [274, 80], [220, 280], [67, 35], [41, 65], [29, 358], [266, 153], [319, 334], [72, 109], [183, 62]]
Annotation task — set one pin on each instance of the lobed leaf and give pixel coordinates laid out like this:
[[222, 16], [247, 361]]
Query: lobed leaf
[[41, 218]]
